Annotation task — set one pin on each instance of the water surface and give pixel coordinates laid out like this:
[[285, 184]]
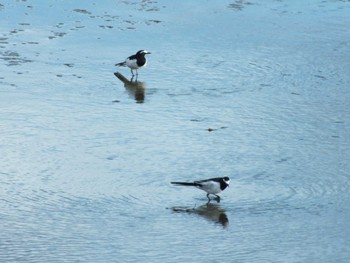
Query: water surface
[[254, 90]]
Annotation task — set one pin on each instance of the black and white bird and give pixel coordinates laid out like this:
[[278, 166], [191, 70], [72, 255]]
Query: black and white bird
[[211, 186], [135, 62]]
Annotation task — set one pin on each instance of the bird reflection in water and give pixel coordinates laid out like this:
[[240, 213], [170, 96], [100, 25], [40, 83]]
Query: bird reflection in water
[[211, 212], [133, 87]]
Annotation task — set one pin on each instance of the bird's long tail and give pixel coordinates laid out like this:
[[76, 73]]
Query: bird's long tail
[[121, 64], [185, 183]]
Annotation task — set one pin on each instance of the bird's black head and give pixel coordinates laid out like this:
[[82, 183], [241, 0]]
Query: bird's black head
[[142, 52], [226, 180]]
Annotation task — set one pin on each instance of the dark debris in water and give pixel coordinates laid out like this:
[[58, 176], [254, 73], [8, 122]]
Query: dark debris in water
[[13, 58], [108, 27], [82, 11], [320, 77], [183, 209], [239, 5], [59, 34], [215, 129], [3, 40], [152, 21], [112, 157]]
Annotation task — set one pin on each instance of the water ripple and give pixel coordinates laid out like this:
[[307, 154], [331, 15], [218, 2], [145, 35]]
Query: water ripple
[[310, 197]]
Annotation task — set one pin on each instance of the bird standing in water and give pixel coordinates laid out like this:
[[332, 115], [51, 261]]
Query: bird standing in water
[[211, 186], [135, 62]]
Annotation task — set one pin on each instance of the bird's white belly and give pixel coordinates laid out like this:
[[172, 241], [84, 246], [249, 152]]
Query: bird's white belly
[[211, 187], [132, 63]]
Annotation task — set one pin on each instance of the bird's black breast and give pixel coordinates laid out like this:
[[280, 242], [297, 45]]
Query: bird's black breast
[[141, 60], [223, 185]]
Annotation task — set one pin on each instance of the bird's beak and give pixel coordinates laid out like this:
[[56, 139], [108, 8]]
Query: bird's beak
[[148, 52]]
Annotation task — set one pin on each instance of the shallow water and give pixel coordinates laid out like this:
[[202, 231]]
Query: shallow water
[[258, 91]]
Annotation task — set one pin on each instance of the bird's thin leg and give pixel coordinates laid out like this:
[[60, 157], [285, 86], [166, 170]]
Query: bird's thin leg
[[137, 72], [208, 198], [218, 198], [132, 72]]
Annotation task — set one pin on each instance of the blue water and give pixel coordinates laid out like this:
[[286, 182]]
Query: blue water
[[254, 90]]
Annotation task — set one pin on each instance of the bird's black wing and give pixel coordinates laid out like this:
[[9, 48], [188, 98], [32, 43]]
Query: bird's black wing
[[216, 179], [132, 57]]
